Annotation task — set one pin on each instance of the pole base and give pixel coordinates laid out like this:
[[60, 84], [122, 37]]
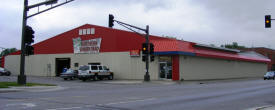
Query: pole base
[[21, 79], [146, 77]]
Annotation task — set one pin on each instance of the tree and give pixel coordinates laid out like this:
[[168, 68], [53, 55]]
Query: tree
[[170, 37], [213, 45], [234, 45], [8, 51]]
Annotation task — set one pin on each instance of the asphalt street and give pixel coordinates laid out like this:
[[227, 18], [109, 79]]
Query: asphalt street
[[245, 94]]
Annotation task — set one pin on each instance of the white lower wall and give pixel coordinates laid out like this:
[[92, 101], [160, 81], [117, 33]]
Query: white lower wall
[[12, 63], [123, 66], [200, 68], [126, 67]]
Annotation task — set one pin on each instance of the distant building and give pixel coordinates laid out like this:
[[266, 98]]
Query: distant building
[[269, 53]]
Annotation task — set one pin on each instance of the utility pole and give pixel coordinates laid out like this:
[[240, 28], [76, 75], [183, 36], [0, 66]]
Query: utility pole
[[22, 77]]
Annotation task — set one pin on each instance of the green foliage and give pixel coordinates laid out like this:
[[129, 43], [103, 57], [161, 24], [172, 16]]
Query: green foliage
[[234, 45], [8, 84], [8, 51], [213, 45]]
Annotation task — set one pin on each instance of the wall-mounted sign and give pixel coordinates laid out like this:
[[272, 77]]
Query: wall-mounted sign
[[134, 53], [86, 46]]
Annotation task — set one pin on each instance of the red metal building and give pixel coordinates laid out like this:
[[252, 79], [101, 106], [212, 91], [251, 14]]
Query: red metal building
[[175, 59]]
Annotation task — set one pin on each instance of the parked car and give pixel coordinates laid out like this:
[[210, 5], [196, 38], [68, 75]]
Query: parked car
[[269, 75], [94, 72], [5, 72], [69, 74]]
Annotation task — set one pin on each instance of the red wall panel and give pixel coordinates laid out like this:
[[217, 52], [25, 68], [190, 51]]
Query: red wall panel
[[175, 67], [113, 40], [2, 61]]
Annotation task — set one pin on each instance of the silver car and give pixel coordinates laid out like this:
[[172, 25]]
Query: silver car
[[5, 72], [269, 75], [69, 74]]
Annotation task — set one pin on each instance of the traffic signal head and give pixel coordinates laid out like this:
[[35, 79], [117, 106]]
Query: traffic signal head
[[144, 48], [29, 35], [267, 21], [144, 57], [29, 50], [152, 58], [152, 48], [111, 20]]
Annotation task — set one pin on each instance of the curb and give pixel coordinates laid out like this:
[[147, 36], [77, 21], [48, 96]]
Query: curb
[[267, 107], [134, 82], [123, 82], [5, 90], [32, 89]]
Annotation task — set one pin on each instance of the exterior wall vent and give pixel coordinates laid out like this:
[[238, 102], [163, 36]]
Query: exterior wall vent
[[88, 31]]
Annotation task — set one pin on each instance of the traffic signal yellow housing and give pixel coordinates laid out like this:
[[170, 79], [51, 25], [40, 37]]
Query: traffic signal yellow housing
[[267, 21]]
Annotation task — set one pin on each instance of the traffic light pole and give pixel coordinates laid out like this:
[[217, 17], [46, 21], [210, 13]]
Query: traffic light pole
[[22, 77], [147, 76], [111, 20]]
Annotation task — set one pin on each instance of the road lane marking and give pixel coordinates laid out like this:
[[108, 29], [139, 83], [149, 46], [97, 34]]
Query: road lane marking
[[24, 105], [65, 108], [123, 102]]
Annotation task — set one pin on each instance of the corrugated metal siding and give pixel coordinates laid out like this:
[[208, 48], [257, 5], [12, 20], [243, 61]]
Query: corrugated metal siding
[[114, 40]]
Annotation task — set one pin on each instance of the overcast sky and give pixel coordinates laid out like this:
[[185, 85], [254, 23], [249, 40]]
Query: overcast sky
[[201, 21]]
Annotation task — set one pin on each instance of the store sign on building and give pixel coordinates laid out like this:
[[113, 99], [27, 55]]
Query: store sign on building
[[90, 46], [134, 53]]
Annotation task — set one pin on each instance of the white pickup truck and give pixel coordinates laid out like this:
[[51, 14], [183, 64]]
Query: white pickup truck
[[95, 72]]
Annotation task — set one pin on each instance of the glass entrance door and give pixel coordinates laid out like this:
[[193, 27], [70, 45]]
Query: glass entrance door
[[165, 70]]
